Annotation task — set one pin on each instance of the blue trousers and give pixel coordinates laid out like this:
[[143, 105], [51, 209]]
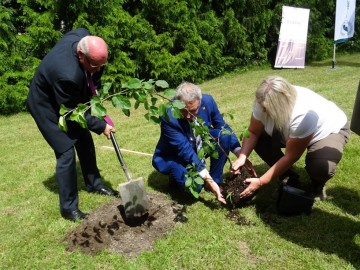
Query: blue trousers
[[178, 171]]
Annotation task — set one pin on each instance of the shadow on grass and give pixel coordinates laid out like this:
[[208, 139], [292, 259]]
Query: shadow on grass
[[321, 230], [346, 199], [52, 185]]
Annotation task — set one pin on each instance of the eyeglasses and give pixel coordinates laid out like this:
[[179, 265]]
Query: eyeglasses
[[190, 113], [91, 65]]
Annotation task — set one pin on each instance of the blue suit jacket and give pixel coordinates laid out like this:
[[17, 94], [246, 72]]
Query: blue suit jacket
[[177, 141]]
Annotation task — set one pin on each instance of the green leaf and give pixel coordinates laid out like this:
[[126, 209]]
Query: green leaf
[[199, 181], [74, 116], [169, 93], [63, 109], [98, 110], [246, 133], [153, 100], [228, 115], [225, 131], [126, 112], [121, 102], [215, 155], [94, 100], [140, 96], [134, 83], [176, 113], [212, 146], [62, 124], [188, 182], [82, 107], [201, 153], [162, 84], [148, 86], [198, 129], [194, 193], [162, 110], [152, 118], [146, 105], [137, 104], [106, 88], [154, 110], [155, 120], [178, 104], [82, 121]]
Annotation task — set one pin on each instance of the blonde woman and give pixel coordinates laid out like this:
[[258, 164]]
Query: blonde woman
[[299, 120]]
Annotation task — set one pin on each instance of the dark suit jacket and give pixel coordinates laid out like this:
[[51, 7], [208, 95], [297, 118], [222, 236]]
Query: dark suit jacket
[[177, 142], [60, 79]]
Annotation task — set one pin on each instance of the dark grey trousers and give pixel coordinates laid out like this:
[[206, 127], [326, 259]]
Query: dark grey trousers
[[66, 171], [321, 159]]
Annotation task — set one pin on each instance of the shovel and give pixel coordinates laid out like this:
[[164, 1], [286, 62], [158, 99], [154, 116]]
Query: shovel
[[133, 194]]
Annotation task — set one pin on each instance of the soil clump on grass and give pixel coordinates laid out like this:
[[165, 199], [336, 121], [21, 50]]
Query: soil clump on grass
[[234, 185], [107, 228]]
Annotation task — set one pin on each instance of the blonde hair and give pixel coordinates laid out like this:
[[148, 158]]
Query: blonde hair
[[277, 96]]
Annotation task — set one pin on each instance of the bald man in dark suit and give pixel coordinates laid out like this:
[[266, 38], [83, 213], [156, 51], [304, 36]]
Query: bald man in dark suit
[[62, 78]]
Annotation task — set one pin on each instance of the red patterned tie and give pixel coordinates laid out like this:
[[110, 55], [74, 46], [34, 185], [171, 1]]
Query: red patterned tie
[[94, 93]]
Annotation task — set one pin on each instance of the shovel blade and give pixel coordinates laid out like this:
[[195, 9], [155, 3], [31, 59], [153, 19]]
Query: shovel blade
[[134, 197]]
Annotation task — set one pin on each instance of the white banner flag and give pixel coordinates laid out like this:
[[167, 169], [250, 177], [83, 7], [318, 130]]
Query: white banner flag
[[344, 20], [292, 39]]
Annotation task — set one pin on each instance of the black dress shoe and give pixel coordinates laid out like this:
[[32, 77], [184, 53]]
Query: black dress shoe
[[74, 215], [107, 191]]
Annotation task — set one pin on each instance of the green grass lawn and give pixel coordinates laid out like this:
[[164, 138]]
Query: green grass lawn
[[32, 231]]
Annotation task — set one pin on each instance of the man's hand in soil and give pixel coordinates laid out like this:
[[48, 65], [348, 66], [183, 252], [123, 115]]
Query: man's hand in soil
[[214, 188], [254, 185]]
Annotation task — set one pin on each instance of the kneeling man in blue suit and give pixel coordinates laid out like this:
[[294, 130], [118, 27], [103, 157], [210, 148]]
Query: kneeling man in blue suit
[[177, 146]]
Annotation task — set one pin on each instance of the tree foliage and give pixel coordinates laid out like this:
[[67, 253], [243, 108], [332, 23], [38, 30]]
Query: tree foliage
[[155, 39]]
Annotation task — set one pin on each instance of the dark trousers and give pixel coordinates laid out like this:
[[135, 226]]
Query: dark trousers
[[321, 159], [66, 171]]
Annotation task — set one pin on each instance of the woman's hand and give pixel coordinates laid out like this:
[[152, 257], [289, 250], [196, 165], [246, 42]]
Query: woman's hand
[[236, 165], [248, 165], [254, 185]]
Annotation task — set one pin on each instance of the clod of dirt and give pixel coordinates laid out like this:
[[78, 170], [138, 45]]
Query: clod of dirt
[[238, 218], [234, 185], [106, 229]]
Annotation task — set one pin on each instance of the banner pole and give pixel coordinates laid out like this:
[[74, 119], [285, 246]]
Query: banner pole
[[333, 61]]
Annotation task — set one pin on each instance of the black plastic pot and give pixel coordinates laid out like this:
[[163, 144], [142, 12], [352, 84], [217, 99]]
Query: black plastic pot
[[294, 201]]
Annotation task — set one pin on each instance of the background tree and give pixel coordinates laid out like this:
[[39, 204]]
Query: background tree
[[156, 39]]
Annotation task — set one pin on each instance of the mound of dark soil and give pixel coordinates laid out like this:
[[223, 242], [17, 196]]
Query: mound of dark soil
[[107, 228], [234, 185]]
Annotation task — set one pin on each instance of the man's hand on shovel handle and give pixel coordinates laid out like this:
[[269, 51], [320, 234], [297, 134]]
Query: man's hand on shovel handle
[[108, 130]]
